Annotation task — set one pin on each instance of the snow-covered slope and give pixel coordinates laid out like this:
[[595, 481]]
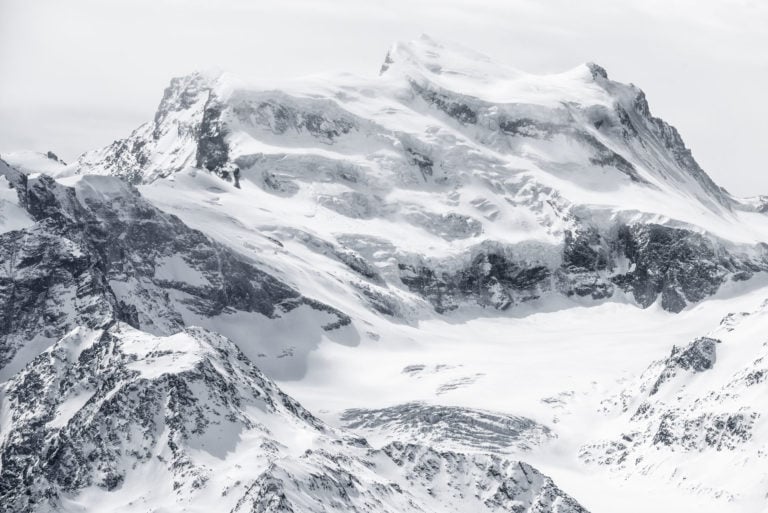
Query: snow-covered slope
[[699, 417], [35, 162]]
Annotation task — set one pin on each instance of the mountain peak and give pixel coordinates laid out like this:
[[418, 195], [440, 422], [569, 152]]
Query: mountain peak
[[432, 57], [591, 138], [184, 91]]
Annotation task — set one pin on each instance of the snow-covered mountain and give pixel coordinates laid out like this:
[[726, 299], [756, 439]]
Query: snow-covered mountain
[[97, 252], [470, 182], [461, 269]]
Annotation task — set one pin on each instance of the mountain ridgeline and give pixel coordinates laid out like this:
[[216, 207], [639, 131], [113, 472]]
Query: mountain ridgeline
[[563, 184]]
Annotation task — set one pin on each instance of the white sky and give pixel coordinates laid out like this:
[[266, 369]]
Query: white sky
[[77, 74]]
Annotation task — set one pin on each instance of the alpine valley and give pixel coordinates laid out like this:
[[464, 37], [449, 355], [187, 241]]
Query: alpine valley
[[452, 287]]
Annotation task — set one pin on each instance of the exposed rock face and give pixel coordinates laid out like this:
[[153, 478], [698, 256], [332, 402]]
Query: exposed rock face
[[280, 115], [491, 279], [52, 156], [212, 150], [476, 175], [682, 155], [99, 252], [677, 266], [455, 106], [699, 356]]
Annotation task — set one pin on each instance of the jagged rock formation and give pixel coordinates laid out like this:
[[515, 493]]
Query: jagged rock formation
[[651, 262], [99, 252]]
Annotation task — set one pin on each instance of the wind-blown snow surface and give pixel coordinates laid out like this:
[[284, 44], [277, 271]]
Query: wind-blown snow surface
[[508, 249]]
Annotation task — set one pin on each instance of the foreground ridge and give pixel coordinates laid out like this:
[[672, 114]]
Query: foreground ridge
[[117, 416]]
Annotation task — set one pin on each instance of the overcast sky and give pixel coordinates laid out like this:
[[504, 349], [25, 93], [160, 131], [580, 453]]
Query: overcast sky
[[78, 74]]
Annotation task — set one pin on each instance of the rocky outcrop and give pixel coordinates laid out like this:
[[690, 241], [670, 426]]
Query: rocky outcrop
[[212, 149], [679, 265], [694, 406], [675, 266], [99, 252], [490, 280]]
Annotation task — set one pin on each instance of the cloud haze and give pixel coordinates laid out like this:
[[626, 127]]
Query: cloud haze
[[81, 73]]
